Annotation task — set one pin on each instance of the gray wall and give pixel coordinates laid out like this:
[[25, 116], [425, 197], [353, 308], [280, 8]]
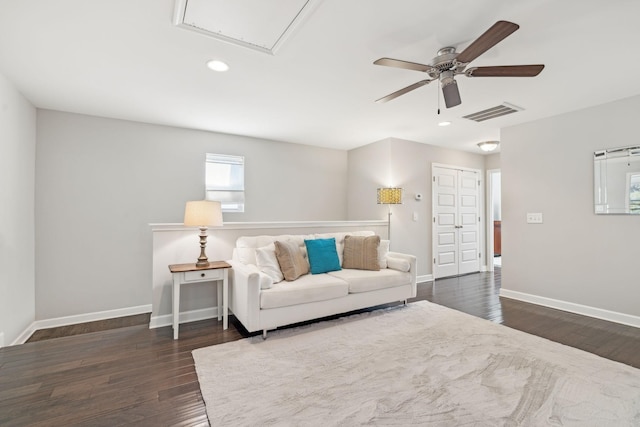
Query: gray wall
[[100, 182], [407, 164], [574, 256], [492, 161], [17, 162]]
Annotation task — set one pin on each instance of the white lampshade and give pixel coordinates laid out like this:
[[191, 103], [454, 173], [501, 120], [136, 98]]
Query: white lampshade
[[203, 213]]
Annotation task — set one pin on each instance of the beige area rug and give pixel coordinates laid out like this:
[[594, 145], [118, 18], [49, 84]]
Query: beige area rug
[[422, 364]]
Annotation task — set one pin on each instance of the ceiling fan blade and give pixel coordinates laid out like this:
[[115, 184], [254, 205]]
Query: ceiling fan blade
[[494, 35], [451, 94], [403, 91], [506, 71], [389, 62]]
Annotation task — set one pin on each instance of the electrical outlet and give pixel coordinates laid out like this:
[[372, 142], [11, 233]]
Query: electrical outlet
[[534, 218]]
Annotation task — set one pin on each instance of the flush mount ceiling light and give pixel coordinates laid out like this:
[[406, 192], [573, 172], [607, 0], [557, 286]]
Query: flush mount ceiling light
[[445, 123], [488, 145], [216, 65]]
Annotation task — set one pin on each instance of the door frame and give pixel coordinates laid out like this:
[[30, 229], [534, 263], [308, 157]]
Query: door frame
[[481, 210], [489, 218]]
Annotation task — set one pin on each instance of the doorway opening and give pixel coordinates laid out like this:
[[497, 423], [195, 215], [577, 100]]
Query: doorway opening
[[494, 223]]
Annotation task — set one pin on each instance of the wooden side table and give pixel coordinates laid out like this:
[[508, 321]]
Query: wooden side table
[[183, 274]]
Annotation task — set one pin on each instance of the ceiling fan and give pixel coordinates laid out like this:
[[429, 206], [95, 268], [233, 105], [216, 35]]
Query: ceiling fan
[[450, 63]]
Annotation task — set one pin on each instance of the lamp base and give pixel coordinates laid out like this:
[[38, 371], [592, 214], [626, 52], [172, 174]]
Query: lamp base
[[203, 261]]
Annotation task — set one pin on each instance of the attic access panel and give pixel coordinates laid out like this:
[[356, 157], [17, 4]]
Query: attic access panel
[[257, 24]]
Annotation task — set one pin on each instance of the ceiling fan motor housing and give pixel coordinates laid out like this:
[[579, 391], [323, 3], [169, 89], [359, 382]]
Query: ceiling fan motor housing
[[445, 61]]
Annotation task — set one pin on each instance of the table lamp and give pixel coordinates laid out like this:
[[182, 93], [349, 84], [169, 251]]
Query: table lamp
[[203, 214]]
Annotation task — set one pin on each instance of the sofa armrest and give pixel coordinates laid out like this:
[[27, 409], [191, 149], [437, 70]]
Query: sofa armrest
[[244, 298], [409, 258], [413, 267]]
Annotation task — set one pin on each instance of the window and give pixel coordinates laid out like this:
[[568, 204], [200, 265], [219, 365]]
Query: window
[[633, 184], [225, 181]]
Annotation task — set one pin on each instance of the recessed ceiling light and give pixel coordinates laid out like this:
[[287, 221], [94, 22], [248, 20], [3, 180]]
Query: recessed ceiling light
[[216, 65], [444, 123]]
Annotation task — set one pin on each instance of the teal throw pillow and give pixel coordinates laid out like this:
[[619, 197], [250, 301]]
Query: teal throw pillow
[[323, 256]]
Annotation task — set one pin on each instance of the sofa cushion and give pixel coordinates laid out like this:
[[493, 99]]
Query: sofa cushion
[[366, 280], [322, 255], [292, 262], [340, 239], [361, 252], [267, 262], [308, 288]]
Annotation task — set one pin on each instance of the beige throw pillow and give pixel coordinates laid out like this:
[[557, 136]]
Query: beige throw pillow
[[361, 252], [291, 260]]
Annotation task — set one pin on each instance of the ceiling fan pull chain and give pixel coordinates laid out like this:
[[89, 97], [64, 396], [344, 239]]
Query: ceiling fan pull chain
[[438, 95]]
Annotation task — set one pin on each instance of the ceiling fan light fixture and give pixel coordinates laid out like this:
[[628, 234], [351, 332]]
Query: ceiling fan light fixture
[[451, 94], [488, 145], [444, 123], [217, 65]]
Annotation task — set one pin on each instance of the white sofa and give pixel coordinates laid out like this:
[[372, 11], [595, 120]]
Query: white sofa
[[261, 305]]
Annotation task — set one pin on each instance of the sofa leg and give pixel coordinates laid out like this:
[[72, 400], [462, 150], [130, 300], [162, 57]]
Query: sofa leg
[[405, 302], [264, 334]]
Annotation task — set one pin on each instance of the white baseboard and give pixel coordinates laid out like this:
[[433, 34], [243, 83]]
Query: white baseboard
[[425, 278], [185, 317], [79, 318], [585, 310], [24, 336]]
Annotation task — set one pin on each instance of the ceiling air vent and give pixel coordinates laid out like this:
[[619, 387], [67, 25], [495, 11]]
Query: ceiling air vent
[[491, 113]]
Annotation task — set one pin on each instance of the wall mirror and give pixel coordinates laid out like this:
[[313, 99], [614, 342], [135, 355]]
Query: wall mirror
[[616, 174]]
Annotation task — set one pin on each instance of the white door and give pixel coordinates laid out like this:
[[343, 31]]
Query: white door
[[456, 222]]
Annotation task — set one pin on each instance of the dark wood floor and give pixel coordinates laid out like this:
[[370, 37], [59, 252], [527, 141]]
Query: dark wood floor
[[131, 375]]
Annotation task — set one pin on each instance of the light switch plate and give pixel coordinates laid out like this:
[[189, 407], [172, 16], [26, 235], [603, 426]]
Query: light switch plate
[[534, 218]]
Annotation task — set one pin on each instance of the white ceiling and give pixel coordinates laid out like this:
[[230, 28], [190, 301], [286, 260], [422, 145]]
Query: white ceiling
[[125, 59]]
